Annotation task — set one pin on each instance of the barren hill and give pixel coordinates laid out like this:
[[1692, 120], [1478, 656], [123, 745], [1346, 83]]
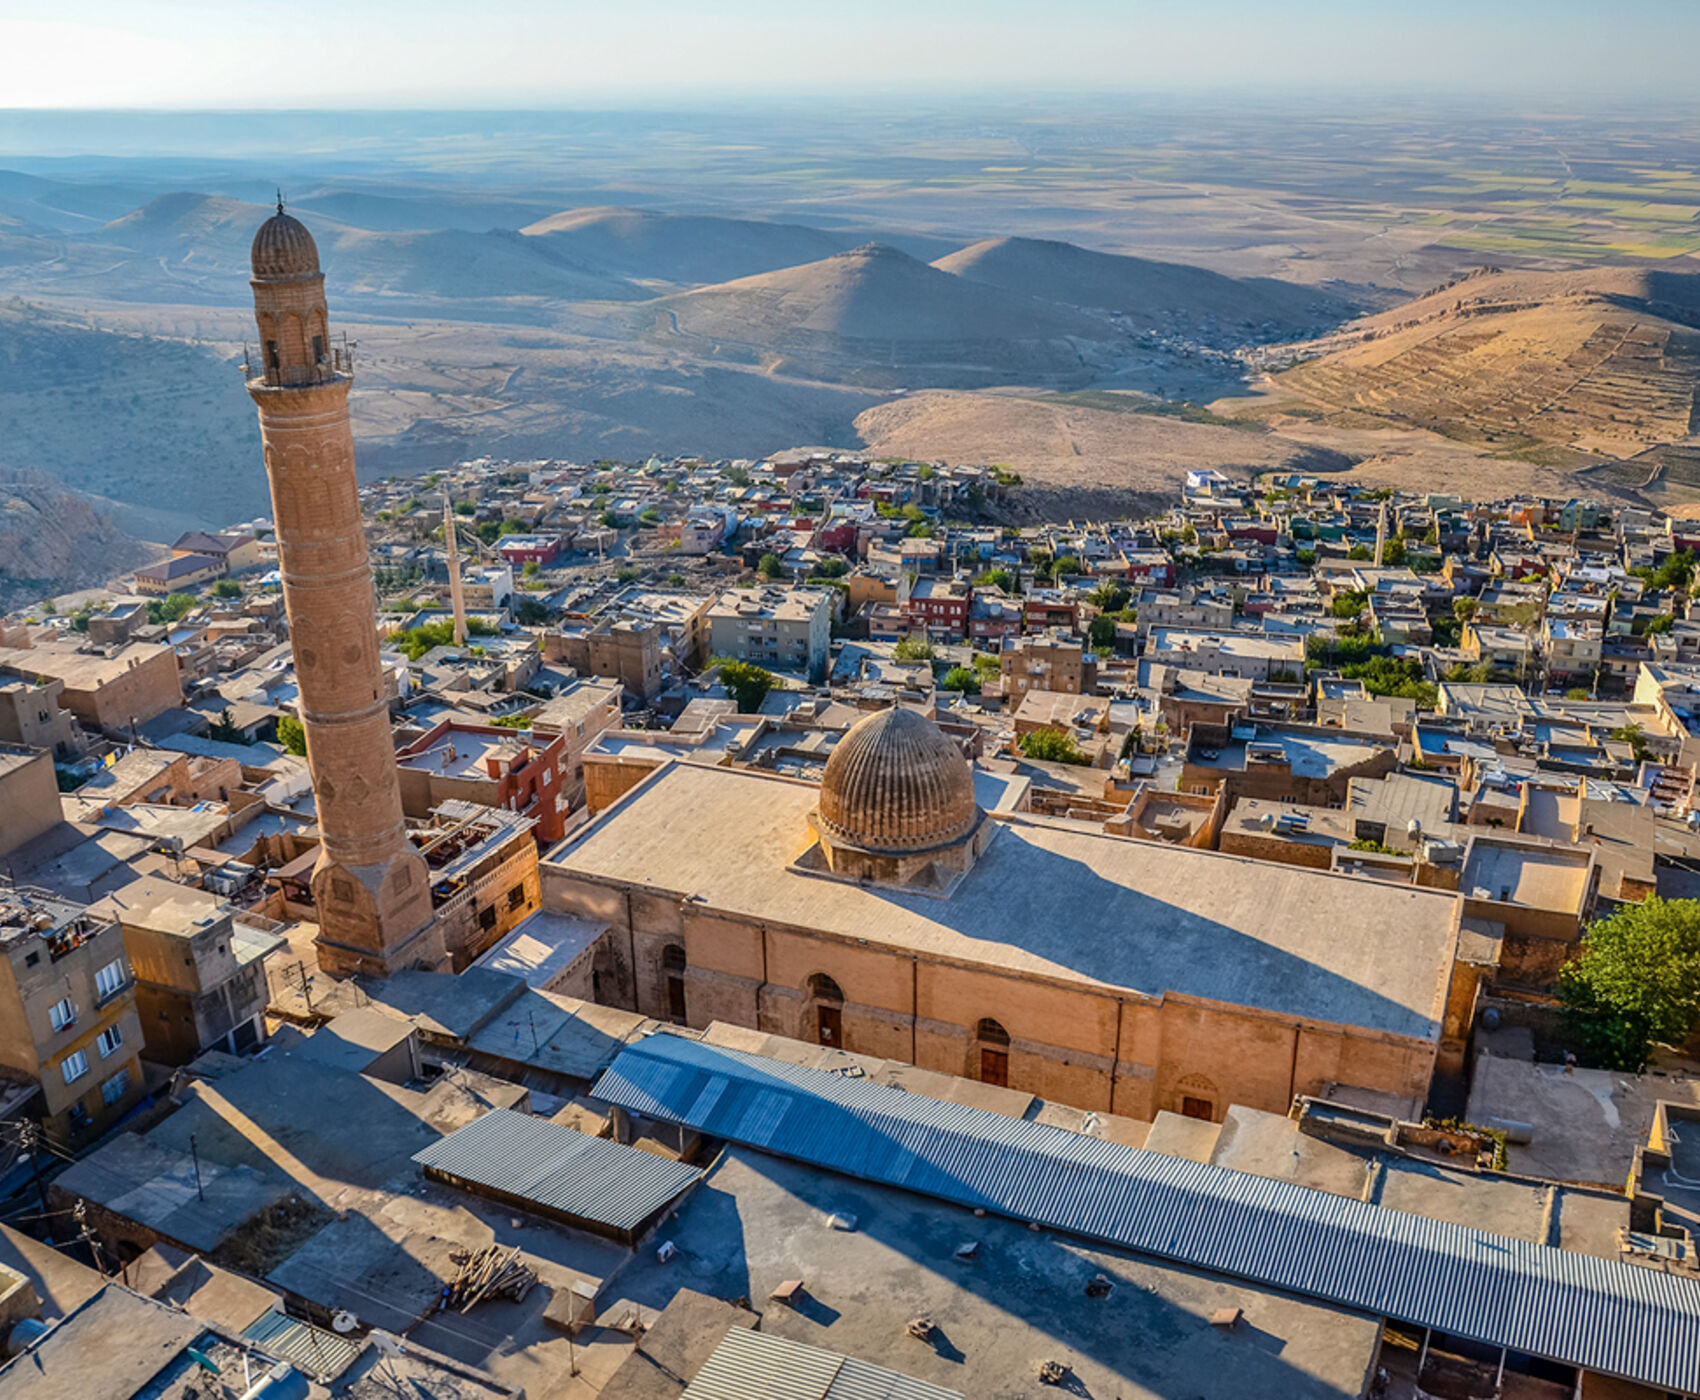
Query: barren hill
[[1149, 292], [698, 249], [877, 315], [452, 264], [1075, 459], [1603, 362], [52, 540]]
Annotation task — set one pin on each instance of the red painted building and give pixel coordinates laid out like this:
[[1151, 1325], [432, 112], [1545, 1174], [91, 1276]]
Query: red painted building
[[939, 607]]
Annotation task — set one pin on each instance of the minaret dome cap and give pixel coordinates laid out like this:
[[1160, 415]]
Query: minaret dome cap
[[283, 249]]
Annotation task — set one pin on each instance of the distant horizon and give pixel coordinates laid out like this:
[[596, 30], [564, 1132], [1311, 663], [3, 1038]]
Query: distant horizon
[[430, 55]]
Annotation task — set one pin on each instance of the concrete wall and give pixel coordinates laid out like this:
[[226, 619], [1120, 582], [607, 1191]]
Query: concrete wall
[[29, 799]]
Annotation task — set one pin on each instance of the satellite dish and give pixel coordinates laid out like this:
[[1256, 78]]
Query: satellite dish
[[343, 1321]]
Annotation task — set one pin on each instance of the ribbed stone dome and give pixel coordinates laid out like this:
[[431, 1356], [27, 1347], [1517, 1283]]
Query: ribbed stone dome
[[284, 249], [895, 783]]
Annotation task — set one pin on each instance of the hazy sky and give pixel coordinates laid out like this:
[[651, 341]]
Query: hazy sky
[[514, 53]]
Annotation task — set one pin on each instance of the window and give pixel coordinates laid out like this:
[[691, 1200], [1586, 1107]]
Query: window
[[487, 917], [74, 1066], [116, 1087], [109, 1040], [516, 896], [62, 1013], [110, 978]]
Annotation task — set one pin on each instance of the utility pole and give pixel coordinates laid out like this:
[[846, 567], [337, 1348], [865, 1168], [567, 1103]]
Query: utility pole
[[29, 1140]]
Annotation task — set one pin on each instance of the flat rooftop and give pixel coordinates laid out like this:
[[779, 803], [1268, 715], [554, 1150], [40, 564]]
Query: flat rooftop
[[756, 1221], [1052, 901], [1537, 877]]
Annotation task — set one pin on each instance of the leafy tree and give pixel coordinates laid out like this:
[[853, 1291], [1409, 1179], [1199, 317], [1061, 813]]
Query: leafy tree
[[1349, 603], [171, 608], [416, 641], [747, 683], [291, 734], [1464, 609], [1110, 596], [1636, 737], [1576, 693], [912, 649], [1675, 572], [998, 578], [465, 508], [1065, 564], [227, 588], [80, 620], [1659, 625], [1101, 631], [1393, 553], [1305, 557], [833, 566], [1052, 746], [528, 612], [531, 570], [1637, 981], [770, 566], [225, 731], [1359, 551], [962, 678]]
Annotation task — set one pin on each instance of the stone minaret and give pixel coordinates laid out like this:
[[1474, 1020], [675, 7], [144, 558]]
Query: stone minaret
[[457, 595], [1381, 535], [371, 886]]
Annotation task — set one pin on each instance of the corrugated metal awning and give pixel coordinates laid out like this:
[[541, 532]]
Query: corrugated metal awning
[[751, 1365], [559, 1169], [1616, 1319]]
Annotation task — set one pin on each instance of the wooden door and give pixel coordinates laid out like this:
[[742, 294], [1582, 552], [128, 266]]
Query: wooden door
[[994, 1067], [832, 1026], [676, 998], [1198, 1108]]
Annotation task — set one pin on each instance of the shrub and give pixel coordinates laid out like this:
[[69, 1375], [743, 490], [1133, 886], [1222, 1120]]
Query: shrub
[[747, 683], [1052, 746], [227, 588], [291, 734], [912, 649], [961, 678]]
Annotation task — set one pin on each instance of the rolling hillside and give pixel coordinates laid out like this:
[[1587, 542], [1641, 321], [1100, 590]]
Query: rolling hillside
[[1146, 291], [1601, 363], [875, 315]]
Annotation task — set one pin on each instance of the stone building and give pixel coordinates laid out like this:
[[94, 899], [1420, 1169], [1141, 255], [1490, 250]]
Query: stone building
[[200, 975], [31, 716], [68, 1013], [1049, 662], [29, 797], [786, 629], [909, 907], [371, 888]]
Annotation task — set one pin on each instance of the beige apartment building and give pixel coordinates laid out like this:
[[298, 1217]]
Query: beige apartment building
[[910, 907], [200, 974], [785, 629], [68, 1013], [1063, 664]]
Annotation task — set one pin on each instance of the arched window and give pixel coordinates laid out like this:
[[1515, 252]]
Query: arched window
[[992, 1033], [827, 1005], [673, 958]]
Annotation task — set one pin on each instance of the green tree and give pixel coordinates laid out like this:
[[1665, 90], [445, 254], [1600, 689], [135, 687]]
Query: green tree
[[171, 608], [1305, 557], [291, 734], [528, 612], [912, 649], [1464, 609], [1101, 631], [833, 566], [1052, 746], [1110, 596], [1349, 603], [998, 578], [1637, 981], [1065, 564], [962, 678], [1393, 554], [747, 683], [224, 729], [1359, 551], [1636, 737], [770, 566], [227, 588]]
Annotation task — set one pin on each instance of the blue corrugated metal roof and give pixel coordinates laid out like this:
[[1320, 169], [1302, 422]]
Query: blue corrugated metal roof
[[312, 1350], [1614, 1318], [750, 1365], [558, 1168]]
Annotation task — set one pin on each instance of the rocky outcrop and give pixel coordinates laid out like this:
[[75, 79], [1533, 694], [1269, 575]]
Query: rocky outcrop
[[52, 540]]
